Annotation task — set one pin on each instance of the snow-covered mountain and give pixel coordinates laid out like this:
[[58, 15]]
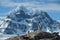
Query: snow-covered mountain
[[21, 19]]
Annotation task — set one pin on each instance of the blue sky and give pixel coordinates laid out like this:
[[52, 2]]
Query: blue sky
[[52, 7]]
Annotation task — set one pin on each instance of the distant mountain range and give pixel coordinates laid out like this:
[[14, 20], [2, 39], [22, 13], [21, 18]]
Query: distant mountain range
[[24, 19]]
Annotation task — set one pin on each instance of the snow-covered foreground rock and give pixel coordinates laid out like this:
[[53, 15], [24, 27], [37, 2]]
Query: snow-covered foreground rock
[[5, 36]]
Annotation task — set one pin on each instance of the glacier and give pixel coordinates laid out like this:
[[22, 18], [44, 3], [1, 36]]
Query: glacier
[[24, 19]]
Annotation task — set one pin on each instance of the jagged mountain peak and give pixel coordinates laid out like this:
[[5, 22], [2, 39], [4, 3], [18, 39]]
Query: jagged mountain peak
[[21, 19]]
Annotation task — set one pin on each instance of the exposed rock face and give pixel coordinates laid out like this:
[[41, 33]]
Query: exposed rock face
[[19, 21], [39, 36]]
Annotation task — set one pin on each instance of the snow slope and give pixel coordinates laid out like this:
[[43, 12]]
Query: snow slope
[[21, 19]]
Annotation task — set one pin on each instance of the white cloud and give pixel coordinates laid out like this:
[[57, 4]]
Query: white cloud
[[53, 0], [50, 7], [6, 3], [40, 6]]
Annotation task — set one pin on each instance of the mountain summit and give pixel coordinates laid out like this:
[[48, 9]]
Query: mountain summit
[[24, 19]]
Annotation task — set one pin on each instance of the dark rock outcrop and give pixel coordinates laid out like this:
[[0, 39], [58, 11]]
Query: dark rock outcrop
[[39, 36]]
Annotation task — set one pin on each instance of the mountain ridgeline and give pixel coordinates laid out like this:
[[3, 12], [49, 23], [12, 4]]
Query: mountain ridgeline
[[21, 19]]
